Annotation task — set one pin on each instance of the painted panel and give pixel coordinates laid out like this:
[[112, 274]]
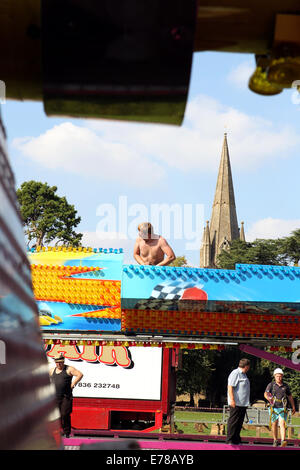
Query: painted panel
[[249, 302], [114, 372], [77, 289], [89, 291]]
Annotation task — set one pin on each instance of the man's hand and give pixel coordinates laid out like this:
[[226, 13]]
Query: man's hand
[[76, 374]]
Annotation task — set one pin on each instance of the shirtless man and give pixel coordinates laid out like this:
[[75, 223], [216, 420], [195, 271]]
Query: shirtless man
[[152, 249]]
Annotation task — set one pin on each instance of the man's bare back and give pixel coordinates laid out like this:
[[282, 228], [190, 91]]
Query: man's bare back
[[152, 249]]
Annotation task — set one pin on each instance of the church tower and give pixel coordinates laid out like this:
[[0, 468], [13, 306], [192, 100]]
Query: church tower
[[223, 227]]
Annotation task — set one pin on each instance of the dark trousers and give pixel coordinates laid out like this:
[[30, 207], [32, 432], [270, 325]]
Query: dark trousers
[[235, 423], [65, 408]]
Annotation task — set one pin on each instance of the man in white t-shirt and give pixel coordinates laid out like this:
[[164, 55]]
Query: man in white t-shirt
[[238, 400]]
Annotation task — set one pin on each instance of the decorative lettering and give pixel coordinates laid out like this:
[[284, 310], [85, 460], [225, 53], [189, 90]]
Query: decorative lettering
[[115, 355], [109, 355]]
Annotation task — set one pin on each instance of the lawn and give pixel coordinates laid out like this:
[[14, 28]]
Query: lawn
[[186, 422]]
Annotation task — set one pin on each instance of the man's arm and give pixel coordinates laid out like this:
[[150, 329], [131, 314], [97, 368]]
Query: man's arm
[[291, 400], [231, 396], [168, 252], [268, 394], [136, 252], [75, 373], [232, 383]]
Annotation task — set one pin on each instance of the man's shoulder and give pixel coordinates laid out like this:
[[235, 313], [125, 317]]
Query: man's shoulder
[[233, 377], [234, 372]]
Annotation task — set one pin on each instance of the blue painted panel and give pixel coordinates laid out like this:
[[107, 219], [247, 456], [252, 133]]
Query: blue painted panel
[[247, 283]]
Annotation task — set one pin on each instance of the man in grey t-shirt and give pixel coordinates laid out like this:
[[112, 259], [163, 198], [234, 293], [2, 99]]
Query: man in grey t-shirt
[[238, 400]]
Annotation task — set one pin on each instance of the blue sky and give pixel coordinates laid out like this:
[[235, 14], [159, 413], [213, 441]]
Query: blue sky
[[94, 163]]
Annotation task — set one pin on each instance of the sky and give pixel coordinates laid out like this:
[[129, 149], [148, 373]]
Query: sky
[[118, 174]]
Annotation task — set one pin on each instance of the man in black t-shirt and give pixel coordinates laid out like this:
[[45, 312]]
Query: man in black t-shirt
[[65, 378], [278, 394]]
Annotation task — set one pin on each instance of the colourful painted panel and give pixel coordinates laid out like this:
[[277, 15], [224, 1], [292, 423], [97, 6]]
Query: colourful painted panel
[[85, 290], [77, 289], [250, 302], [247, 283]]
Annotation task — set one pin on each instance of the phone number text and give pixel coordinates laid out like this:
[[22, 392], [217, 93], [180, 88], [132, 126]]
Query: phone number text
[[97, 385]]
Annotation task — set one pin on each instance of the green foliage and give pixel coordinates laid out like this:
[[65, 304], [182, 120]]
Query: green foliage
[[272, 252], [47, 217], [291, 246], [292, 378], [224, 362], [180, 261], [240, 252], [195, 371]]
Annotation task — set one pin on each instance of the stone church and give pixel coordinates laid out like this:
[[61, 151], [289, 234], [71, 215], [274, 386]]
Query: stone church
[[223, 226]]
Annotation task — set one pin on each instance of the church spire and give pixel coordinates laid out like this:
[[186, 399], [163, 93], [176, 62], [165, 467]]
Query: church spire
[[242, 232], [223, 225], [205, 248]]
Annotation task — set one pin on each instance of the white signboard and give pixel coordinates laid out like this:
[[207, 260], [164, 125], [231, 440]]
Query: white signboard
[[114, 372]]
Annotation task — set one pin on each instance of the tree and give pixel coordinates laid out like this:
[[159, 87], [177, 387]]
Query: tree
[[260, 251], [223, 363], [239, 253], [47, 217], [180, 261], [291, 246], [194, 374], [292, 378]]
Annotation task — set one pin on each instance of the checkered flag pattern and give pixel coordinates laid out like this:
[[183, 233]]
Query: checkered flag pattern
[[167, 292], [163, 297]]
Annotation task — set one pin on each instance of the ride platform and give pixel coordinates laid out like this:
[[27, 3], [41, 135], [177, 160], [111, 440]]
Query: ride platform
[[163, 442]]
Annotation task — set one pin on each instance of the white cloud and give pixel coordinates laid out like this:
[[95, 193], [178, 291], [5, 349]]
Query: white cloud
[[80, 150], [108, 240], [197, 144], [239, 75], [252, 140], [272, 228], [140, 154]]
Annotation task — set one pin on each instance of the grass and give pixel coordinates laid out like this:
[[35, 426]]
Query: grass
[[184, 425]]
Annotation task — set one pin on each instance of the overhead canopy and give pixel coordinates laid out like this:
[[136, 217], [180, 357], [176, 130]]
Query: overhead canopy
[[132, 60], [236, 26]]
